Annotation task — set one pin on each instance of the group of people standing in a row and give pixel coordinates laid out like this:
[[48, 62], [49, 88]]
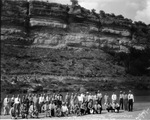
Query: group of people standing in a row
[[126, 100], [59, 105]]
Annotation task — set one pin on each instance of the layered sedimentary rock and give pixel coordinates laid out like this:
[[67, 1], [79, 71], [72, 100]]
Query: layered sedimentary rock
[[76, 30], [58, 25], [15, 19], [44, 24]]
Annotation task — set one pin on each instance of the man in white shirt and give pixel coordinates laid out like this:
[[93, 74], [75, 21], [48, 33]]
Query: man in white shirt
[[130, 100], [99, 97], [6, 105], [82, 97], [114, 98], [41, 102], [17, 105], [17, 100], [89, 97], [47, 99], [64, 109], [106, 99]]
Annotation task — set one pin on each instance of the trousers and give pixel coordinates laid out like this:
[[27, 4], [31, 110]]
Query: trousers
[[121, 103], [130, 105]]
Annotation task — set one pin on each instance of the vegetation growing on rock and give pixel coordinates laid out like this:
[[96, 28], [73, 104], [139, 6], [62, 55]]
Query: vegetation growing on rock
[[71, 45]]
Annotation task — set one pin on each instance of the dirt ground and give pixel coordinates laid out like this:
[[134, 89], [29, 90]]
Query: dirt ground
[[141, 112]]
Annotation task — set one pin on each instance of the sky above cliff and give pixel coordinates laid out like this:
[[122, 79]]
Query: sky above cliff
[[137, 10]]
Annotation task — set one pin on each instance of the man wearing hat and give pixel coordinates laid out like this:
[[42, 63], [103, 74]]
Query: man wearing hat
[[121, 100], [130, 100]]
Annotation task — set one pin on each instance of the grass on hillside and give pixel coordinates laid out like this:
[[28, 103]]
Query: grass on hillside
[[44, 69], [80, 62]]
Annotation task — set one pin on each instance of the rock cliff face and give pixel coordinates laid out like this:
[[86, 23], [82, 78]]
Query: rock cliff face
[[72, 26], [43, 24], [14, 18]]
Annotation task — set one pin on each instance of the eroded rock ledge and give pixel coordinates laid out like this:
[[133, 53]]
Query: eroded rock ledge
[[44, 24]]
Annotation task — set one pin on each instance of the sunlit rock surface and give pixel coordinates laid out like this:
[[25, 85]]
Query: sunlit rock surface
[[45, 24]]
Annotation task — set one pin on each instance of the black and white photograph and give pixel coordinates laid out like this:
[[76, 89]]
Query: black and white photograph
[[75, 59]]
